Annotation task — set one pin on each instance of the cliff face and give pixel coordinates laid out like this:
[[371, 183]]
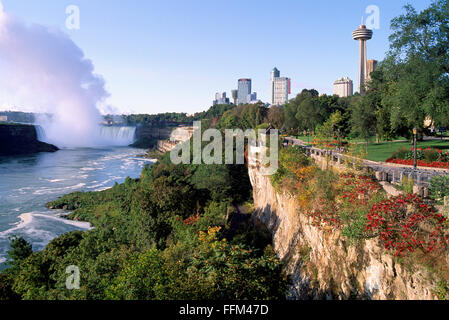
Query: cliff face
[[148, 136], [18, 139], [323, 265]]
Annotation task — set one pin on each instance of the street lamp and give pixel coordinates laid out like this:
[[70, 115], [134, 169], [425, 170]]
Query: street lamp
[[415, 132]]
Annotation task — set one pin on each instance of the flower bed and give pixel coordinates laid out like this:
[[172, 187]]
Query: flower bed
[[429, 157], [421, 163]]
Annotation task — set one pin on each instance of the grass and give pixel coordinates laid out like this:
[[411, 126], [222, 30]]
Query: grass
[[382, 151], [309, 139]]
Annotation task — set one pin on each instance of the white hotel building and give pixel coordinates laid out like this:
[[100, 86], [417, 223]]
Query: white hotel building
[[343, 87], [280, 88]]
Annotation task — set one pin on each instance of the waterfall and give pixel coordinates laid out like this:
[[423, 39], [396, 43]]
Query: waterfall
[[40, 132], [118, 136], [104, 137]]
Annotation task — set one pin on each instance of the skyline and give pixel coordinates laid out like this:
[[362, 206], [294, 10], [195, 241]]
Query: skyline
[[177, 56]]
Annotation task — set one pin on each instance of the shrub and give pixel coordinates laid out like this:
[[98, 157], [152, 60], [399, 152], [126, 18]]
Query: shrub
[[431, 155], [407, 185], [439, 187], [400, 154], [405, 223], [294, 166]]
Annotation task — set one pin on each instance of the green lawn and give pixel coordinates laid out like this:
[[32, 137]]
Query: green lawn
[[383, 151], [355, 140]]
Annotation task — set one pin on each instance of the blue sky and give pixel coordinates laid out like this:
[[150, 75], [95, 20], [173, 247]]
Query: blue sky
[[172, 56]]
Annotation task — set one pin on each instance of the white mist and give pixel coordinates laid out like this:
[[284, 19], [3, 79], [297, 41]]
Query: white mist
[[47, 72]]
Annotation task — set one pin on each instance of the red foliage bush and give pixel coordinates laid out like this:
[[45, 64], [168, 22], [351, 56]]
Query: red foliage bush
[[192, 220], [357, 191], [405, 223]]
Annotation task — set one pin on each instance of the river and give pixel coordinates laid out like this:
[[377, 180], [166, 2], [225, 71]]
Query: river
[[28, 183]]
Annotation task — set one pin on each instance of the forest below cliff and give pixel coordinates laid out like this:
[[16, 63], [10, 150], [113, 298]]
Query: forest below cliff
[[174, 233]]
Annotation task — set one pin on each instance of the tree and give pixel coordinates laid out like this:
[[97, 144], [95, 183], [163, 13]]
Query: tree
[[303, 112], [253, 115], [20, 250], [276, 117], [417, 66], [142, 277], [309, 114], [364, 120], [290, 110], [333, 127]]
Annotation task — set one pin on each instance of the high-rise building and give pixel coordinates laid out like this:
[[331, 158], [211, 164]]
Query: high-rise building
[[220, 98], [362, 34], [280, 88], [252, 98], [370, 67], [235, 96], [244, 89], [275, 74], [343, 87], [3, 118]]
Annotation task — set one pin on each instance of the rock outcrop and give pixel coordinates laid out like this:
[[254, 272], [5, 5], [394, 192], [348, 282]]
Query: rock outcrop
[[21, 139], [322, 264], [147, 136]]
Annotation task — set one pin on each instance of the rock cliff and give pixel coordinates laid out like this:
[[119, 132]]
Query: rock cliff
[[323, 265], [19, 139]]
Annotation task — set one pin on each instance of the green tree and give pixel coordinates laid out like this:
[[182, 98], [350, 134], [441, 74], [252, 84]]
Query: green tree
[[20, 249], [333, 127], [364, 122], [276, 117], [142, 277], [418, 66]]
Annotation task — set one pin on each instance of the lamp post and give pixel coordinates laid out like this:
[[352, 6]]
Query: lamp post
[[415, 132]]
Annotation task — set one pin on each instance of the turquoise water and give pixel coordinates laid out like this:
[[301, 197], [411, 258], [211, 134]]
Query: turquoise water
[[28, 183]]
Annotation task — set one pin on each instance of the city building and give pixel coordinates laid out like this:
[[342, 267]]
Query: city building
[[343, 87], [235, 96], [252, 98], [275, 74], [3, 118], [220, 98], [362, 34], [280, 88], [370, 67], [244, 90]]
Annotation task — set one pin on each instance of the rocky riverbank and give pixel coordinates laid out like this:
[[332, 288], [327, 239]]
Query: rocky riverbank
[[21, 139]]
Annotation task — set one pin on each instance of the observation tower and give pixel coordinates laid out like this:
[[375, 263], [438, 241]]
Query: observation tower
[[362, 34]]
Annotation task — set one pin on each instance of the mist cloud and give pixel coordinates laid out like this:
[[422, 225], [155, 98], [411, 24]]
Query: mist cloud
[[49, 73]]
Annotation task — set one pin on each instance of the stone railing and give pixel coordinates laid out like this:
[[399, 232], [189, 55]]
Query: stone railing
[[383, 172]]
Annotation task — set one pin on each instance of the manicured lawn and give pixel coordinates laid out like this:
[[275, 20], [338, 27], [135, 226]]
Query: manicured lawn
[[355, 140], [383, 151]]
